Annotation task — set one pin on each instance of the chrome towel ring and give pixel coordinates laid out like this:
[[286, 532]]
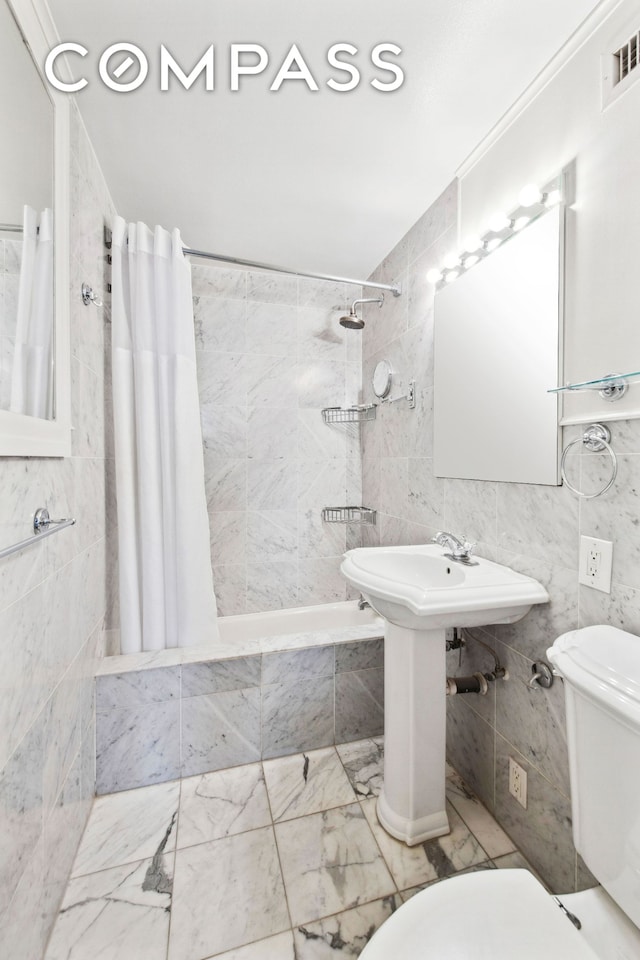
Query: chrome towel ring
[[596, 437]]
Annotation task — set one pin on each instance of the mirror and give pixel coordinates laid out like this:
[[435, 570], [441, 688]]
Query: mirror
[[382, 379], [496, 354], [34, 360]]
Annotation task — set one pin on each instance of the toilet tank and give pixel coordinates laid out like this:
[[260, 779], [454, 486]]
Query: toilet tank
[[601, 671]]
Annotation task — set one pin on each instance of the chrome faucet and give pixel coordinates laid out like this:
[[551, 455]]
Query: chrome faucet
[[459, 550]]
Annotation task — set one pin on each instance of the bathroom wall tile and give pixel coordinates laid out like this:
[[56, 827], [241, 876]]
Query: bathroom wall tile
[[272, 585], [470, 509], [226, 482], [440, 216], [129, 826], [291, 665], [62, 718], [471, 750], [220, 325], [237, 878], [361, 655], [320, 336], [330, 862], [271, 534], [613, 515], [129, 690], [542, 831], [540, 522], [359, 704], [394, 486], [320, 581], [223, 803], [321, 483], [219, 676], [297, 716], [228, 533], [536, 725], [123, 911], [219, 282], [137, 747], [306, 783], [21, 809], [271, 381], [224, 431], [272, 287], [62, 832], [351, 929], [545, 621], [272, 329], [425, 493], [620, 608], [318, 440], [220, 730], [230, 585], [24, 927], [222, 379], [320, 383], [482, 825], [272, 433], [272, 485], [316, 538], [363, 764]]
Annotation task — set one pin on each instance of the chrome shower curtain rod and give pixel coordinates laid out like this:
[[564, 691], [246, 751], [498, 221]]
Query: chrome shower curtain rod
[[11, 228], [395, 289]]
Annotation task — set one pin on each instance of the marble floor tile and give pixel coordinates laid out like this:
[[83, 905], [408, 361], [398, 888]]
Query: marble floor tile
[[363, 762], [223, 803], [279, 947], [330, 862], [227, 893], [130, 826], [492, 837], [117, 913], [345, 934], [306, 783], [411, 892], [427, 861]]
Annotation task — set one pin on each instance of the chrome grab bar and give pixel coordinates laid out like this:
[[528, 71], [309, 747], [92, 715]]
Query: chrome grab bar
[[43, 527]]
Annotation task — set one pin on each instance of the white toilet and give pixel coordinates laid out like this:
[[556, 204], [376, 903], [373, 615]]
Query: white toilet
[[507, 914]]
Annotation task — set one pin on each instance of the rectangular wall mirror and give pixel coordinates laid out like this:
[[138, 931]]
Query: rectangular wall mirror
[[498, 336], [34, 255]]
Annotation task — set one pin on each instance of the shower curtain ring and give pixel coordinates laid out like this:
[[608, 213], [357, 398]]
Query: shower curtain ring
[[89, 296]]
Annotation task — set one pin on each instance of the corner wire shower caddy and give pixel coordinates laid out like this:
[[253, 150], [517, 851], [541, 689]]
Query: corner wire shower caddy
[[356, 515], [356, 414]]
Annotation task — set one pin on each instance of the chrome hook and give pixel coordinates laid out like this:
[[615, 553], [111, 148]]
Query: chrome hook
[[88, 296]]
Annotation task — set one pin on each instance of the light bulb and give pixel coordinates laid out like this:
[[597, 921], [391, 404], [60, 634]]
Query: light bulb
[[451, 276], [520, 223], [451, 261], [499, 222], [530, 195], [553, 198], [470, 261], [492, 244], [434, 276], [472, 244]]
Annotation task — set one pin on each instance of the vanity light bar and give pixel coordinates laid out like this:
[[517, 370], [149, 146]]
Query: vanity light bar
[[533, 201]]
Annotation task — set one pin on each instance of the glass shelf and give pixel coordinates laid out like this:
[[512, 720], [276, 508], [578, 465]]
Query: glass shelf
[[602, 383]]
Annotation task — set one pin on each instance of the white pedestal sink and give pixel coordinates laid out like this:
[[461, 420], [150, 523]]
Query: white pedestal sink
[[420, 593]]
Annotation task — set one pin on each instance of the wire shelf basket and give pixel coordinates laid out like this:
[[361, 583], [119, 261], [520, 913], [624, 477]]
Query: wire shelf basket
[[362, 515], [349, 414]]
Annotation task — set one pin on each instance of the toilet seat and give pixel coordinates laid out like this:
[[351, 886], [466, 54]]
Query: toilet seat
[[487, 915]]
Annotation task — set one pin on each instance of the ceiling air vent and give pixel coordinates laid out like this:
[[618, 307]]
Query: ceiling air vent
[[626, 58], [620, 68]]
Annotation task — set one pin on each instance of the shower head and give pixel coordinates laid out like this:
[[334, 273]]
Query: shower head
[[353, 321]]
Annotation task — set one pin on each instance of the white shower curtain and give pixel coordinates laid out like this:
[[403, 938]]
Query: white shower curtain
[[166, 583], [32, 371]]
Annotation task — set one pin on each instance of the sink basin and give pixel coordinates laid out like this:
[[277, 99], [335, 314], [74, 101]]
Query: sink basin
[[418, 587]]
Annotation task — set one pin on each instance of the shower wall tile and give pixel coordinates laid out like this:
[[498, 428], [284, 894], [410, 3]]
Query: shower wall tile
[[220, 730], [271, 586], [219, 677], [220, 324], [53, 602], [272, 329], [297, 716]]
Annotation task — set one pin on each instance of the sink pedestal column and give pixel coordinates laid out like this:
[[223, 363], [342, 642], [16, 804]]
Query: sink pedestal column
[[411, 805]]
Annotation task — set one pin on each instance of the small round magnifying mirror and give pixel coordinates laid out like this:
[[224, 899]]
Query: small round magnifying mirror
[[381, 380]]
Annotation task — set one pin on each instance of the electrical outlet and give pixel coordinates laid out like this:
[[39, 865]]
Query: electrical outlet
[[518, 782], [596, 557]]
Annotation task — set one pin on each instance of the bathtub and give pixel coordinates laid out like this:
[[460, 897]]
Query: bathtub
[[272, 684]]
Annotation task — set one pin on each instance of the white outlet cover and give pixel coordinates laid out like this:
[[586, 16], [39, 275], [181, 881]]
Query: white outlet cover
[[596, 558], [518, 782]]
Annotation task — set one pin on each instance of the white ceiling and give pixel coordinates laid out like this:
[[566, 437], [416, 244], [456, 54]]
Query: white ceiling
[[318, 181]]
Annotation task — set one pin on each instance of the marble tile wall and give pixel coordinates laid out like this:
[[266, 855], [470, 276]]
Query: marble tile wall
[[53, 600], [271, 355], [160, 724], [534, 529]]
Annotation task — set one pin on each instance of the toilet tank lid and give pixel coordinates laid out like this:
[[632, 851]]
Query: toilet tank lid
[[603, 660]]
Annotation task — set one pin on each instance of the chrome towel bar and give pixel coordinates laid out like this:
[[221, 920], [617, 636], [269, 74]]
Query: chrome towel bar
[[43, 526]]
